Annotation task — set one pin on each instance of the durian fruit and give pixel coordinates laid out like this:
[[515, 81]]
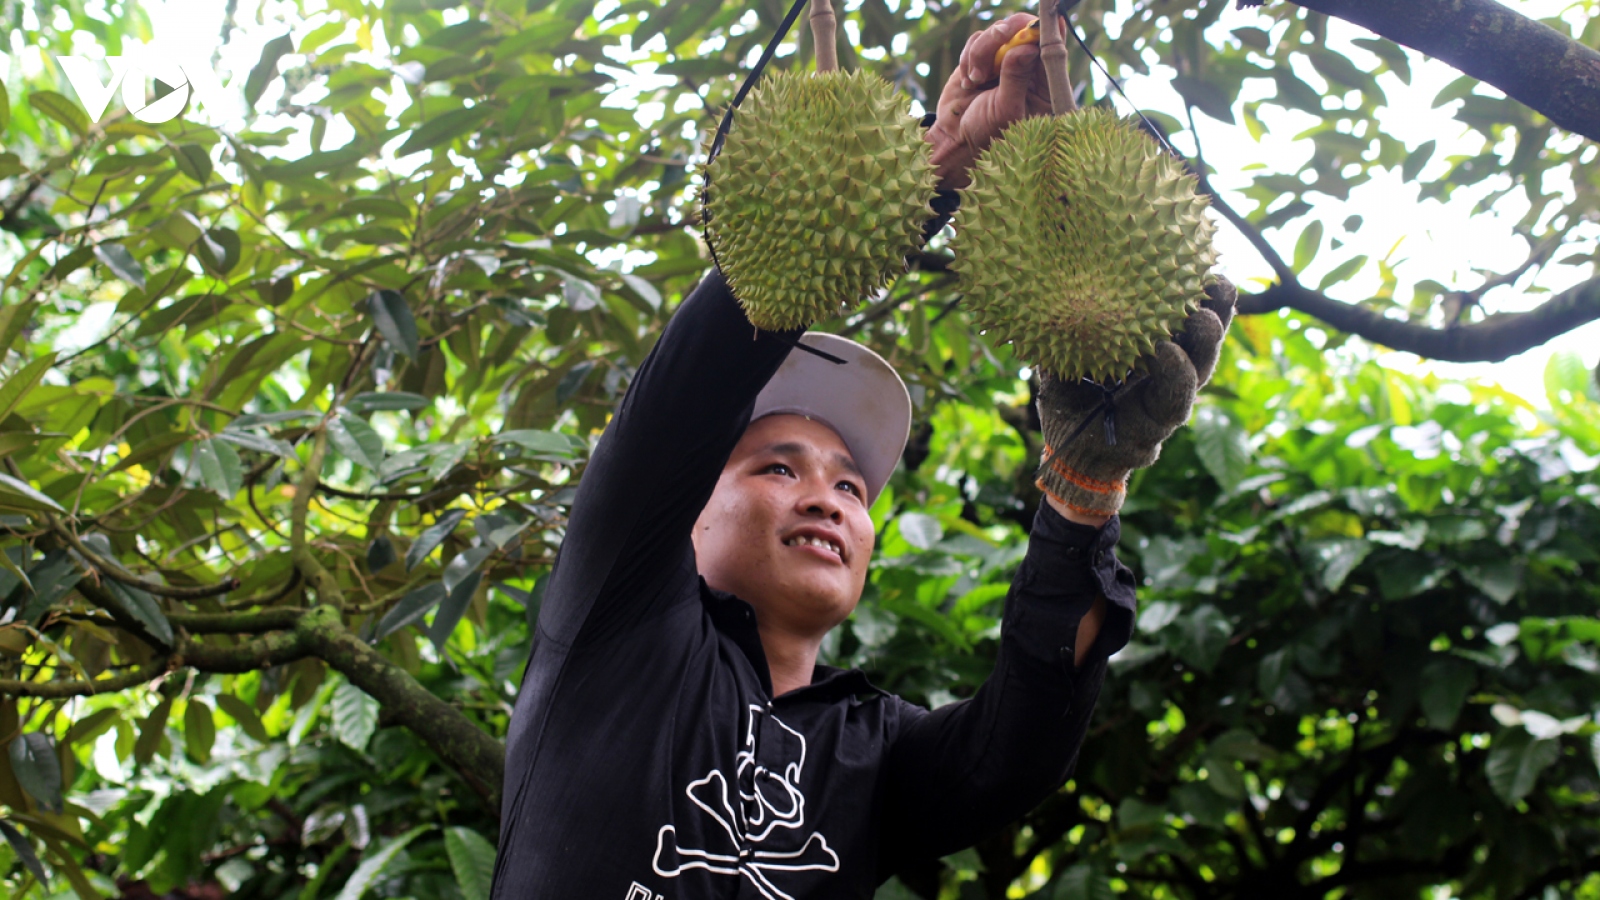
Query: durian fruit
[[819, 193], [1082, 244]]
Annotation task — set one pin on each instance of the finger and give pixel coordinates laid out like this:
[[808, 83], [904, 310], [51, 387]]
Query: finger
[[1201, 338], [980, 50], [1017, 72], [961, 77], [1222, 298], [1168, 394]]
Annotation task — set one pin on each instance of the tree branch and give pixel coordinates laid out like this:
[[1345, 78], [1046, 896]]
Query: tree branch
[[114, 570], [1496, 338], [253, 622], [1528, 60], [59, 689], [459, 741]]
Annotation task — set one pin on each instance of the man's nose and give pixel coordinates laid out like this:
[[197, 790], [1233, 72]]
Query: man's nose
[[820, 499]]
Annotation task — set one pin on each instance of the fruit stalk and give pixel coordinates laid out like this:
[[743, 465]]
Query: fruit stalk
[[1053, 56], [822, 35]]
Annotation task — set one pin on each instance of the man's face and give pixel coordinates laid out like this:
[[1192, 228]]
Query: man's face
[[787, 528]]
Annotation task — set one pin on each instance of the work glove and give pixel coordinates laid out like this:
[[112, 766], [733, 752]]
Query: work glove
[[1086, 464]]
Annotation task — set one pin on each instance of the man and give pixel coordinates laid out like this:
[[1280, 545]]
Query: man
[[675, 738]]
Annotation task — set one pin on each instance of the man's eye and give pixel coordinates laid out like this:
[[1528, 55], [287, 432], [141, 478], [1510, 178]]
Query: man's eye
[[850, 486], [778, 469]]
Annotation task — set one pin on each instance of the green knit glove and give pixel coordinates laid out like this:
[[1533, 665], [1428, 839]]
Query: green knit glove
[[1082, 468]]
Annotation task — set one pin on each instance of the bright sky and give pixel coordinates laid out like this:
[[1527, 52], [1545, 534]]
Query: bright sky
[[1441, 241]]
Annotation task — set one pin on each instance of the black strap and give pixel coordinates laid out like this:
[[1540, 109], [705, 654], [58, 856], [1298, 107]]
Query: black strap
[[749, 82], [1063, 6]]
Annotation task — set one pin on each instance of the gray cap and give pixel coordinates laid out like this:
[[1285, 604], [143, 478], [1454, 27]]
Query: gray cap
[[863, 400]]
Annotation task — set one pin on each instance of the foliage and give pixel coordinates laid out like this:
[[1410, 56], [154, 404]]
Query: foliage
[[359, 346]]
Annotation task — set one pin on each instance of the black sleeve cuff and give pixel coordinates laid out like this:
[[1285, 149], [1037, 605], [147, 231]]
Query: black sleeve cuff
[[1083, 557]]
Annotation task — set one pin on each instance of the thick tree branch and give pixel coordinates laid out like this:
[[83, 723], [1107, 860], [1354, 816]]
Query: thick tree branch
[[58, 689], [459, 741], [1493, 339], [1531, 62], [252, 622]]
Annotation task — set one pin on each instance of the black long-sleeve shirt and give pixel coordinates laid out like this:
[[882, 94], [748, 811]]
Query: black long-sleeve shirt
[[648, 759]]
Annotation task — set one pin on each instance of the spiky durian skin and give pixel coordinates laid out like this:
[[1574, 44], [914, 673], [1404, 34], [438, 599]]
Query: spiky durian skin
[[819, 193], [1082, 244]]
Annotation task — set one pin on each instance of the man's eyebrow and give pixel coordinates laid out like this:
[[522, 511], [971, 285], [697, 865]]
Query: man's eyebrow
[[849, 465]]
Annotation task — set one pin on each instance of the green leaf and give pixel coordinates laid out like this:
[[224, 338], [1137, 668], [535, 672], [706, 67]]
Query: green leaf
[[472, 861], [122, 264], [373, 865], [552, 443], [1082, 882], [142, 607], [252, 441], [199, 730], [152, 729], [432, 537], [5, 122], [13, 318], [1416, 159], [34, 763], [410, 608], [219, 467], [23, 381], [380, 553], [1305, 249], [452, 609], [355, 716], [1445, 686], [387, 400], [446, 458], [1223, 447], [59, 108], [443, 128], [218, 250], [1515, 761], [194, 161], [1205, 96], [1342, 272], [1339, 558], [357, 441], [244, 714], [19, 495], [266, 68], [392, 316], [19, 844], [920, 530], [1565, 372]]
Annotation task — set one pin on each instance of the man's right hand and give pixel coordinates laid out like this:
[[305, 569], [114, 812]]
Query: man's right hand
[[974, 108]]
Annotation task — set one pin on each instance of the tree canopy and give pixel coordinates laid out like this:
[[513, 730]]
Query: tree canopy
[[297, 385]]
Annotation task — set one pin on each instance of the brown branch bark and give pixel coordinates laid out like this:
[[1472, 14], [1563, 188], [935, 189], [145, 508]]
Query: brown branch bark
[[1530, 61], [1053, 56], [459, 741], [1493, 339]]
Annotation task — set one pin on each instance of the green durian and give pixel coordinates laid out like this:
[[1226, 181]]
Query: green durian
[[1081, 244], [819, 193]]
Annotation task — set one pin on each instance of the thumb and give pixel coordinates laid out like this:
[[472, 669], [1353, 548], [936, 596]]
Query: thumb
[[1168, 392]]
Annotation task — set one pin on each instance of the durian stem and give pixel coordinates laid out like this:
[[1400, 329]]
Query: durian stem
[[823, 27], [1053, 56]]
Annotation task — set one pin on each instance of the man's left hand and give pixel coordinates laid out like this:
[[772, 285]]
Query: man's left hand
[[975, 107]]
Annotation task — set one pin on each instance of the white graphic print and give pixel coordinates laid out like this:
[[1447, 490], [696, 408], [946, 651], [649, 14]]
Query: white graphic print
[[768, 801]]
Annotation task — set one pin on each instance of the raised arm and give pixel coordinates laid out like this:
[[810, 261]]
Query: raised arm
[[967, 769], [963, 771], [656, 466]]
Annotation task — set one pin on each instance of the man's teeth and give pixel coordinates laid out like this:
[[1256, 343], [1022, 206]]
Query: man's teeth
[[814, 542]]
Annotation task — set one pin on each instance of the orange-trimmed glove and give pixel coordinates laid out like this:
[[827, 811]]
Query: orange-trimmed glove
[[1086, 464]]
